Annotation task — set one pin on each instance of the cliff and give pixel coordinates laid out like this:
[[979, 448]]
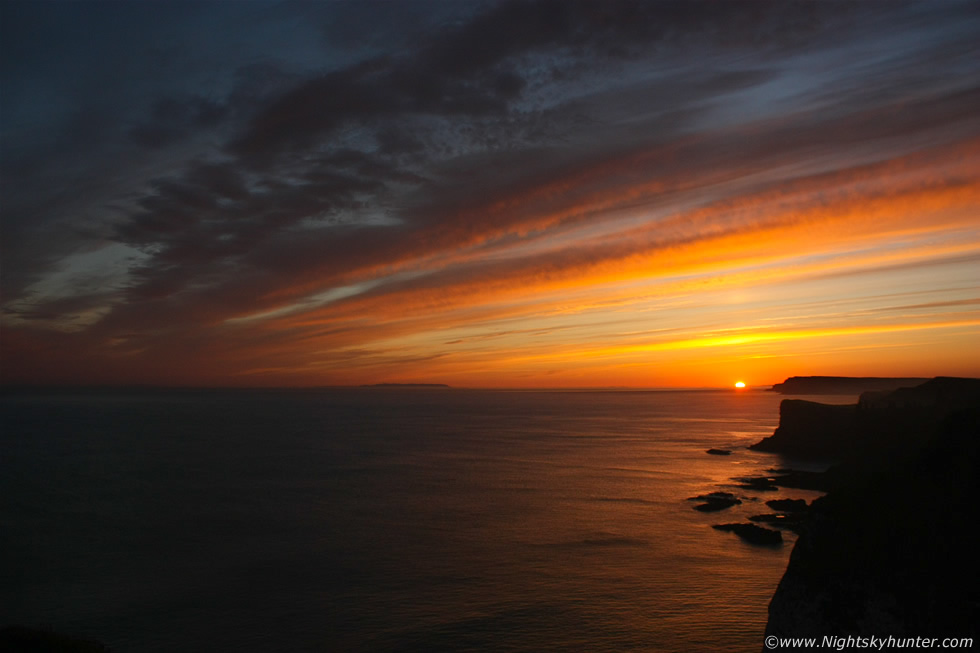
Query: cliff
[[841, 385], [887, 551], [880, 425], [809, 429]]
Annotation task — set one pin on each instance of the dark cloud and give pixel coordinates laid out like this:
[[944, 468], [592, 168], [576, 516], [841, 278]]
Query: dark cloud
[[209, 227], [248, 174], [546, 191], [222, 180], [298, 119], [479, 68], [172, 119]]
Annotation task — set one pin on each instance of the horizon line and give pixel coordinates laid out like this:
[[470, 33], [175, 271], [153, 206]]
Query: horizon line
[[78, 387]]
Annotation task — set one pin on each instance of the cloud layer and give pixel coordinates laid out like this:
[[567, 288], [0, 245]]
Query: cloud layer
[[488, 193]]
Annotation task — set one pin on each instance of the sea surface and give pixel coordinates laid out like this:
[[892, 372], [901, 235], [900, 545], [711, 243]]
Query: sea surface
[[385, 519]]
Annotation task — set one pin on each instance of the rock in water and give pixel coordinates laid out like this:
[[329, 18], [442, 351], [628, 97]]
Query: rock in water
[[716, 504], [757, 483], [752, 533], [787, 505], [793, 522], [715, 501]]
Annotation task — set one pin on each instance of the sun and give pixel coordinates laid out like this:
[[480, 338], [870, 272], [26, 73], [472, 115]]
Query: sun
[[739, 384]]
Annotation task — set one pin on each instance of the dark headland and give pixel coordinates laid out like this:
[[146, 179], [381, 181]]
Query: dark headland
[[841, 385], [889, 550]]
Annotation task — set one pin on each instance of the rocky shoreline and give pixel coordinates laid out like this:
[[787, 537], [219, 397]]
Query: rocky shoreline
[[886, 550]]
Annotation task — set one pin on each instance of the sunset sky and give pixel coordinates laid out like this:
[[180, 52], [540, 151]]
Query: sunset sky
[[488, 194]]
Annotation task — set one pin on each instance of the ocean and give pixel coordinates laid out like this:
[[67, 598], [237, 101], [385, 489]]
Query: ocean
[[385, 519]]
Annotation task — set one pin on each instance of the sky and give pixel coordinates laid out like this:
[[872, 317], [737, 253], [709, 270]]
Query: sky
[[488, 194]]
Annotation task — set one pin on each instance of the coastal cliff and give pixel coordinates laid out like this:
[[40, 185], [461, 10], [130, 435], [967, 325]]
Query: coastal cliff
[[887, 550], [841, 385], [810, 429]]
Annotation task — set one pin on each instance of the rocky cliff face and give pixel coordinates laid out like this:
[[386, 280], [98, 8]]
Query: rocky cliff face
[[889, 550], [881, 424], [810, 429]]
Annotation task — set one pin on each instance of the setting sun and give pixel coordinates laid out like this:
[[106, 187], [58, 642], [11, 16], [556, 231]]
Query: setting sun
[[739, 384]]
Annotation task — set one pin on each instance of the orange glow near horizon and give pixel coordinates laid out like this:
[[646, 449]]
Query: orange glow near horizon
[[870, 271]]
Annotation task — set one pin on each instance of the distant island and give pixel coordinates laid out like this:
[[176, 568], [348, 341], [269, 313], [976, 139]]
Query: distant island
[[405, 385], [888, 549], [841, 385]]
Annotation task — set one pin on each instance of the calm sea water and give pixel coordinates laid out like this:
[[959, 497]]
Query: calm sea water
[[384, 519]]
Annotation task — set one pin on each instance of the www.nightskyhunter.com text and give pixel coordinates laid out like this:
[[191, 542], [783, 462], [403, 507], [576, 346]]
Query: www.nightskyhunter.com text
[[841, 643]]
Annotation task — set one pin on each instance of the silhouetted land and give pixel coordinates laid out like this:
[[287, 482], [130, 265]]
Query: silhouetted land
[[841, 385], [888, 550]]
